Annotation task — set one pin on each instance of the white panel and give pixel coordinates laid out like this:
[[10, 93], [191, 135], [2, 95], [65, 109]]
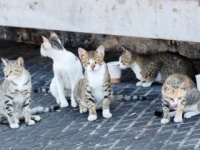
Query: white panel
[[160, 19]]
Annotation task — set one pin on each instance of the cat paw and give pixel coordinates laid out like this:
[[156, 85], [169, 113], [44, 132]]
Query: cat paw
[[14, 126], [74, 103], [146, 84], [92, 117], [139, 83], [83, 110], [64, 104], [178, 119], [37, 118], [188, 115], [164, 121], [31, 122], [17, 121], [107, 114]]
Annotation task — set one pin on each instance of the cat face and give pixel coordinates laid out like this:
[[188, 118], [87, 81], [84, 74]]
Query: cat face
[[174, 96], [92, 60], [125, 60], [13, 68], [50, 45]]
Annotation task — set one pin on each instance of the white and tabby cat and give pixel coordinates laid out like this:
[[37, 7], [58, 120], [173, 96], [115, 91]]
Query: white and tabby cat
[[150, 68], [94, 91], [179, 93], [67, 69], [15, 92]]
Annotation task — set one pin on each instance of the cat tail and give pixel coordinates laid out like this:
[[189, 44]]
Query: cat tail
[[40, 109], [41, 90], [128, 97]]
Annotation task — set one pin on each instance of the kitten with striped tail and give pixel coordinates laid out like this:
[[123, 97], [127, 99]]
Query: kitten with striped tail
[[67, 69], [15, 95], [94, 91]]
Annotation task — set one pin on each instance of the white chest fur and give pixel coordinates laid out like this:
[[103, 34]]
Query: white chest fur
[[136, 69], [96, 79], [22, 83]]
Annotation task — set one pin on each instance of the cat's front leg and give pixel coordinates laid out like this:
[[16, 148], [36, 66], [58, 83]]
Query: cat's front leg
[[106, 108], [166, 115], [9, 113], [57, 90], [139, 83], [92, 111], [179, 112], [147, 84]]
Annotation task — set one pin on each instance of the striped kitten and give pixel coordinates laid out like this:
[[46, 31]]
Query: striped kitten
[[180, 94], [94, 91], [15, 92], [157, 67]]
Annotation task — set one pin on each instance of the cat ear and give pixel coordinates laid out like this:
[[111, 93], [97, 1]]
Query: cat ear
[[4, 60], [81, 52], [45, 39], [101, 50], [20, 61], [165, 87], [53, 34], [183, 85], [128, 54]]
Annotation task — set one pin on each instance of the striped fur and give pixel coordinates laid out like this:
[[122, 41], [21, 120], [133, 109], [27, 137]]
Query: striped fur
[[15, 95], [94, 91], [179, 93], [150, 68]]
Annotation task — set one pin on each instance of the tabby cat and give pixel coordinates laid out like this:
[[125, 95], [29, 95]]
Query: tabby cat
[[150, 68], [180, 94], [94, 91], [15, 92], [67, 69]]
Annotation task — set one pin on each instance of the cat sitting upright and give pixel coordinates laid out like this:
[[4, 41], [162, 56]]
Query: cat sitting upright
[[94, 91], [15, 92], [67, 69], [179, 93], [150, 68]]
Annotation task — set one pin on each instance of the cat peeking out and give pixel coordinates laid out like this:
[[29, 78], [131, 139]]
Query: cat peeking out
[[150, 68], [67, 69], [94, 91], [180, 95]]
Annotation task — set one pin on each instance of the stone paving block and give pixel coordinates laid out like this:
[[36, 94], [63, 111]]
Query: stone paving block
[[132, 127]]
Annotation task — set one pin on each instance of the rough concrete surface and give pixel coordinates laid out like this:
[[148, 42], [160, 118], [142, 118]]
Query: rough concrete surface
[[132, 127]]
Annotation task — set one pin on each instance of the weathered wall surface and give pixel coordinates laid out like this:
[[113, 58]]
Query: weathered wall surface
[[157, 19]]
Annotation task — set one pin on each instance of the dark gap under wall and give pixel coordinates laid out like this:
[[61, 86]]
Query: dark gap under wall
[[72, 41]]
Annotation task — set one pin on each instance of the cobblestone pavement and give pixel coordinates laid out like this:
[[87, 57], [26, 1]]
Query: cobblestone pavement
[[132, 127]]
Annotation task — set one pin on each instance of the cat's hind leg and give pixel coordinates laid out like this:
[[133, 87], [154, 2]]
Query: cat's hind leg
[[191, 114], [82, 109], [35, 117]]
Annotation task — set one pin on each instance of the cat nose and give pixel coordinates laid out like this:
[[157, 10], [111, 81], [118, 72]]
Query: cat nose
[[92, 66]]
